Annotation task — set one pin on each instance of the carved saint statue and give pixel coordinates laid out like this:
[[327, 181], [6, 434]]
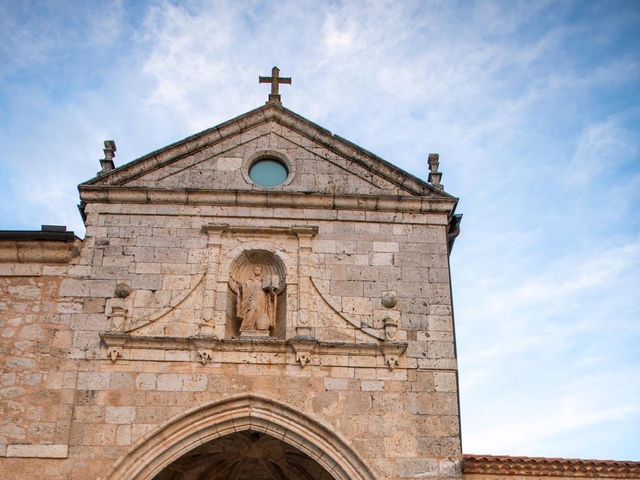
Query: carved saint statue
[[257, 302]]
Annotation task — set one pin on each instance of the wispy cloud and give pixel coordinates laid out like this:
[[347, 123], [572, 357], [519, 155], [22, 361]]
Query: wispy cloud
[[602, 147]]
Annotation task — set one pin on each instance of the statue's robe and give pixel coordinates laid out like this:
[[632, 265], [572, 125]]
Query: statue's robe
[[254, 306]]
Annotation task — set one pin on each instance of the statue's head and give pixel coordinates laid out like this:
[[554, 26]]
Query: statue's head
[[257, 271]]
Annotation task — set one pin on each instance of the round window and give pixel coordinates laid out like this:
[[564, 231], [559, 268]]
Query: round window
[[268, 172]]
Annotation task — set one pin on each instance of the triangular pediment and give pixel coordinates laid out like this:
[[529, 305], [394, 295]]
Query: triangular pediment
[[219, 159]]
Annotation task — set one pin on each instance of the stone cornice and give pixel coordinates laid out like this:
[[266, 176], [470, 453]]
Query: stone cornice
[[549, 467], [303, 348], [243, 344], [103, 194], [38, 251]]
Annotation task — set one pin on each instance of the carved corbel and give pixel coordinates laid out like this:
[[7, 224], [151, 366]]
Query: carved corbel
[[303, 358], [115, 344], [205, 355], [303, 351], [114, 353], [392, 353]]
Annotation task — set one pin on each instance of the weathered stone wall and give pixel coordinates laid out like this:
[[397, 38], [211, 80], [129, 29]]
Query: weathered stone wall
[[145, 313], [37, 376], [402, 422]]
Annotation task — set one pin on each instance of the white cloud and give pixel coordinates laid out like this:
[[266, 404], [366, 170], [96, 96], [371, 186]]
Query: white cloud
[[186, 53], [337, 41], [601, 147]]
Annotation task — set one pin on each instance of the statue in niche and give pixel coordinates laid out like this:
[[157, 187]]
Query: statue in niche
[[257, 303]]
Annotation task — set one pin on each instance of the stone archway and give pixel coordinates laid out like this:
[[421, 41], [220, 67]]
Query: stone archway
[[245, 455], [163, 446]]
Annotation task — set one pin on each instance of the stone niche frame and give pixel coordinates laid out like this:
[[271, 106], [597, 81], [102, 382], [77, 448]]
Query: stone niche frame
[[241, 268], [160, 447], [248, 162], [290, 245]]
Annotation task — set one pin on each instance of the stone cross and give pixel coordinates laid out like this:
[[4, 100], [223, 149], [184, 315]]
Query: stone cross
[[275, 80]]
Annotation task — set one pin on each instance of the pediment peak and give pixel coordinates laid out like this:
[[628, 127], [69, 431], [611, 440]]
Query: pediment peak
[[292, 127]]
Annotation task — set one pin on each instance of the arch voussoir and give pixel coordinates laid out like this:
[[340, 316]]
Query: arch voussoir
[[188, 431]]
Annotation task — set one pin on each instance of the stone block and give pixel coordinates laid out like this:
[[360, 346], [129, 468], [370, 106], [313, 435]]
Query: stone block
[[124, 435], [438, 275], [120, 415], [228, 164], [381, 259], [122, 381], [74, 288], [417, 468], [170, 255], [146, 381], [386, 247], [94, 305], [93, 381], [445, 381], [88, 413], [372, 385], [324, 246], [37, 451], [336, 383], [102, 288]]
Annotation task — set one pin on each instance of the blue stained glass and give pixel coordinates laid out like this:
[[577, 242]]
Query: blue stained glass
[[268, 172]]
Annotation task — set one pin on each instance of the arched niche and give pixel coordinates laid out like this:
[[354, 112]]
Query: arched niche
[[257, 289], [161, 447]]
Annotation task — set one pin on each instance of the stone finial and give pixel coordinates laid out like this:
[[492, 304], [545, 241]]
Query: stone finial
[[122, 290], [434, 175], [275, 80], [389, 300], [109, 153]]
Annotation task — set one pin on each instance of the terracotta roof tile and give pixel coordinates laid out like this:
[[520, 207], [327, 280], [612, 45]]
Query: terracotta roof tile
[[547, 467]]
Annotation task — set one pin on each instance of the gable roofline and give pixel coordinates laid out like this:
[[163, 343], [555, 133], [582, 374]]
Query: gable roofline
[[269, 112]]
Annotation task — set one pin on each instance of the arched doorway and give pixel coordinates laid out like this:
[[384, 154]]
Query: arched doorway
[[245, 455], [292, 438]]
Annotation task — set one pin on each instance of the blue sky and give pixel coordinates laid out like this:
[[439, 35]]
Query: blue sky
[[534, 108]]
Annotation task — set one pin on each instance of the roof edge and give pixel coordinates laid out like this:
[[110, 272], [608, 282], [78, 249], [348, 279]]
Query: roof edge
[[544, 466], [48, 233], [419, 185], [175, 144]]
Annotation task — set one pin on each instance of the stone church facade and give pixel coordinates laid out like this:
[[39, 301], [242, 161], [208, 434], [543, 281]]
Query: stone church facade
[[219, 321]]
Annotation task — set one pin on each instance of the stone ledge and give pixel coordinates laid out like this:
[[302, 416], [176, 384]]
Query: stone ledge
[[388, 353], [109, 194], [37, 451], [259, 230], [112, 339], [37, 251]]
